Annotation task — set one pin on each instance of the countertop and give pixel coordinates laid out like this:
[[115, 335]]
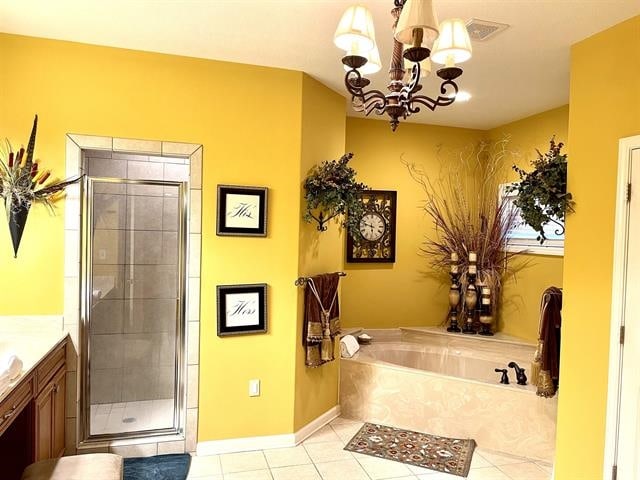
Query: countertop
[[30, 347]]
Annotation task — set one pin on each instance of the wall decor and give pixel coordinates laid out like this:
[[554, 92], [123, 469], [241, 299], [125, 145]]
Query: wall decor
[[375, 239], [22, 183], [242, 309], [330, 191], [242, 211], [542, 194]]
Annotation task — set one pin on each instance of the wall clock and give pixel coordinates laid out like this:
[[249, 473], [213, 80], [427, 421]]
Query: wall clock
[[376, 238]]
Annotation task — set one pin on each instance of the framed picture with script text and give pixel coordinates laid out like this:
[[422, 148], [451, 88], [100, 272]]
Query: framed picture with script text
[[242, 309], [242, 211]]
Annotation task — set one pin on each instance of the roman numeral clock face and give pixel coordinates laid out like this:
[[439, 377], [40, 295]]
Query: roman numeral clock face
[[372, 227], [375, 240]]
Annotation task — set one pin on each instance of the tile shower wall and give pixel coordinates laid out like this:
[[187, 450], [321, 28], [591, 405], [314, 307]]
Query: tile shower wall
[[135, 257], [102, 147]]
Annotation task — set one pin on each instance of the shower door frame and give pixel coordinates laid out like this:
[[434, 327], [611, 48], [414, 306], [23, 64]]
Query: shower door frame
[[179, 413]]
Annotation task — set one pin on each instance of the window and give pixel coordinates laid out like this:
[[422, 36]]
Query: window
[[523, 237]]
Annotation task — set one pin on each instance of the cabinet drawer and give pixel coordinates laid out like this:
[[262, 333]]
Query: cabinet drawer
[[14, 404], [48, 368]]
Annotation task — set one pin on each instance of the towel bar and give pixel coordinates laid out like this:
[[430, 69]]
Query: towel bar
[[301, 281]]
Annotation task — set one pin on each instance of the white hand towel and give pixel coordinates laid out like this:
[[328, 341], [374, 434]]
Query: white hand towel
[[4, 382], [11, 366], [348, 346]]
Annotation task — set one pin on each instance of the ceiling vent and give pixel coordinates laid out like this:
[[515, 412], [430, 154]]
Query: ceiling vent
[[483, 30]]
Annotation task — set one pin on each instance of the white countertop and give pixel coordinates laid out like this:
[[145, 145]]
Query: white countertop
[[31, 347]]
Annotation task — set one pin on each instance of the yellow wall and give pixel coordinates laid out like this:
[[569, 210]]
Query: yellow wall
[[603, 110], [323, 137], [521, 296], [249, 121], [398, 294]]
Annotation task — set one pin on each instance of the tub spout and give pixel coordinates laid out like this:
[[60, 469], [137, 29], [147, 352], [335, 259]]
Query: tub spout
[[505, 378], [520, 375]]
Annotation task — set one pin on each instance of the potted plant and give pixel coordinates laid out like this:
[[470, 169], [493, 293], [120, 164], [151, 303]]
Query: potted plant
[[331, 190], [22, 183], [541, 195]]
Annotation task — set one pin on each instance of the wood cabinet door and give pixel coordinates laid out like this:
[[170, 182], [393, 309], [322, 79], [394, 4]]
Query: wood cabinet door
[[58, 421], [44, 423]]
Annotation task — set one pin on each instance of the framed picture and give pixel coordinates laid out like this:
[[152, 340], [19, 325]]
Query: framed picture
[[242, 211], [242, 309], [375, 241]]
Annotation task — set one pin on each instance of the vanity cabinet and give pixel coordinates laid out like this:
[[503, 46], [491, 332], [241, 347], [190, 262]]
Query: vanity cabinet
[[50, 418], [32, 415]]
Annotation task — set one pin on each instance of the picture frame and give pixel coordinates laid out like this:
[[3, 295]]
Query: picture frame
[[242, 211], [376, 239], [242, 309]]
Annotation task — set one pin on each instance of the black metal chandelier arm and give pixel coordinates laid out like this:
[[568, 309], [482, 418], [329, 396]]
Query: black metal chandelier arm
[[446, 98], [367, 101], [399, 3]]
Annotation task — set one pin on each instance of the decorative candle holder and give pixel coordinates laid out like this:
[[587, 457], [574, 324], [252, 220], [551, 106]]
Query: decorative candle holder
[[485, 312], [454, 301], [471, 296]]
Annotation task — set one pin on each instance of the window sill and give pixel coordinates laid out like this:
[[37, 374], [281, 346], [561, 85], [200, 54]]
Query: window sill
[[536, 250]]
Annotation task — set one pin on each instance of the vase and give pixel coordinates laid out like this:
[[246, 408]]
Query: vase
[[17, 221]]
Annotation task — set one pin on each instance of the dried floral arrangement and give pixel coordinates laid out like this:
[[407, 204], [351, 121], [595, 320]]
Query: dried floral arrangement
[[464, 204], [22, 183], [542, 193], [331, 190]]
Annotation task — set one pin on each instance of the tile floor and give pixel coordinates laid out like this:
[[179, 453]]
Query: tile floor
[[321, 457], [131, 416]]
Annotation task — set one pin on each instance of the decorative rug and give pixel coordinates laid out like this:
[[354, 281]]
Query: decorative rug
[[161, 467], [442, 454]]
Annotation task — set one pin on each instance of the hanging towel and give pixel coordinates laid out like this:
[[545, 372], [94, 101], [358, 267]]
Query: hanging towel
[[349, 346], [321, 318], [549, 342]]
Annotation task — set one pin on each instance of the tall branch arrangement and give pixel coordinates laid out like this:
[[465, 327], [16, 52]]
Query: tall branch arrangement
[[468, 215]]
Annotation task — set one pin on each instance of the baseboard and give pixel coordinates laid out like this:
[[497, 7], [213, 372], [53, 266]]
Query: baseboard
[[266, 442], [315, 425]]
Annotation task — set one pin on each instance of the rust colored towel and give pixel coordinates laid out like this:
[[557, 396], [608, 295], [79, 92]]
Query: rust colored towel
[[321, 318], [551, 322]]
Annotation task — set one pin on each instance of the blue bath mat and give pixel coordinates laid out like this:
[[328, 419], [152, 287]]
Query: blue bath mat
[[161, 467]]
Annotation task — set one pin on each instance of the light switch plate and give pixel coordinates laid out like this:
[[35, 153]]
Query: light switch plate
[[254, 388]]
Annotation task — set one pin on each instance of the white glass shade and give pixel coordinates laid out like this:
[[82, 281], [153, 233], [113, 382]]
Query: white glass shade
[[355, 33], [373, 64], [425, 69], [417, 14], [453, 45]]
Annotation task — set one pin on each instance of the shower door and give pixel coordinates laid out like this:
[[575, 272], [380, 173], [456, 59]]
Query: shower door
[[133, 308]]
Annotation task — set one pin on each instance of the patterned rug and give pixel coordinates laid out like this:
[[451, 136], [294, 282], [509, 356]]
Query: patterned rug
[[442, 454]]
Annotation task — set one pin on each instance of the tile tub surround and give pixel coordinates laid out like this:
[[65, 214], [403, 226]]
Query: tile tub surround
[[388, 383], [134, 159]]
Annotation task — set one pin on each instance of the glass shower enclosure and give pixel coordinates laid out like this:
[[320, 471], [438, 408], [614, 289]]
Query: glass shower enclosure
[[132, 308]]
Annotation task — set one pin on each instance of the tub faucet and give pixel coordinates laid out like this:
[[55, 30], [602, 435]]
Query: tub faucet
[[505, 378], [520, 375]]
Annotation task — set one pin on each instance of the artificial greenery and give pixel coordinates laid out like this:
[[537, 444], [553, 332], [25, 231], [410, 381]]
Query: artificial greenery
[[331, 190], [542, 195]]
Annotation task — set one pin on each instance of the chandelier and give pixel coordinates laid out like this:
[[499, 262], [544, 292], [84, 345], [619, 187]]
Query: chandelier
[[418, 39]]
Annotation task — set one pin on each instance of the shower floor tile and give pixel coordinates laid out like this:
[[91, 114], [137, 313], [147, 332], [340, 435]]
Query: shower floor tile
[[131, 416]]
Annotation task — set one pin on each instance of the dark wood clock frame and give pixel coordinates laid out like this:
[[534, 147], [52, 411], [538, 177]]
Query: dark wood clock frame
[[389, 214]]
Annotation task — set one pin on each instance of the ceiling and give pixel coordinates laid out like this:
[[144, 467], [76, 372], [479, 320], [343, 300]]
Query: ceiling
[[521, 71]]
